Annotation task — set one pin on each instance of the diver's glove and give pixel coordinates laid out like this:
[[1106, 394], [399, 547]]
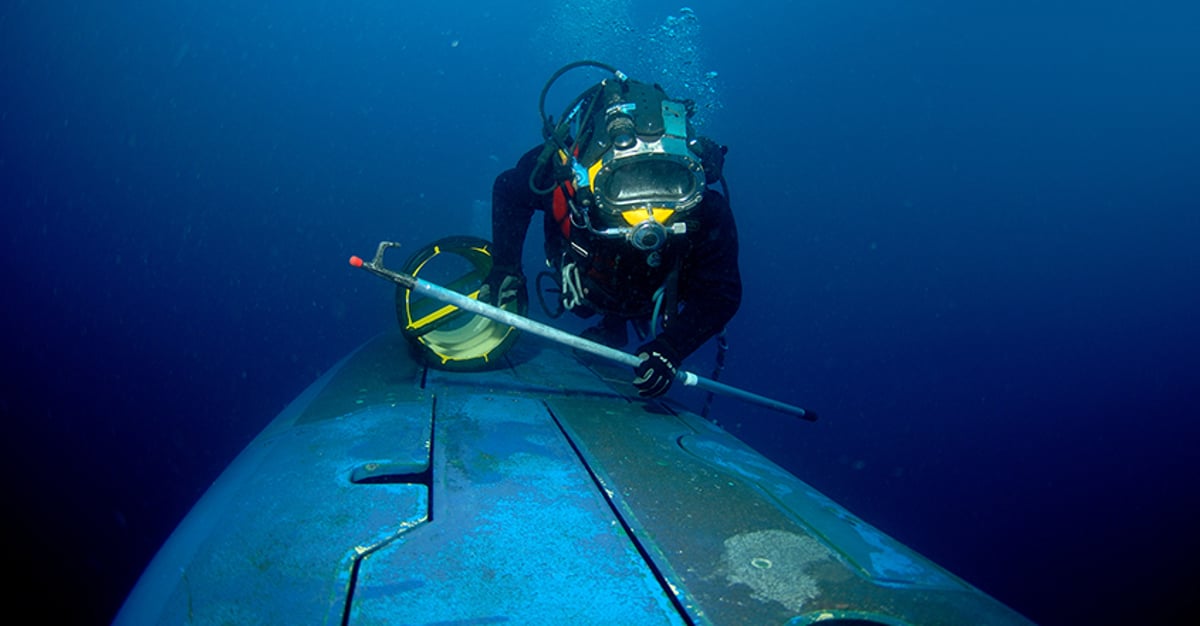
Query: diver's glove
[[503, 285], [654, 375]]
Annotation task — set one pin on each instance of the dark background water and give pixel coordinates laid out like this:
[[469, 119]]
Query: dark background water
[[968, 241]]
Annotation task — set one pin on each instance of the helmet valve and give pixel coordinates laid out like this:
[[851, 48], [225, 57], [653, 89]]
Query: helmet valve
[[651, 235]]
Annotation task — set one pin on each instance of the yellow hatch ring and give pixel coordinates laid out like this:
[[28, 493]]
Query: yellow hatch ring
[[445, 335]]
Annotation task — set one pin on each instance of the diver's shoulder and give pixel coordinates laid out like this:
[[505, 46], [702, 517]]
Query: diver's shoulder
[[714, 202], [529, 158]]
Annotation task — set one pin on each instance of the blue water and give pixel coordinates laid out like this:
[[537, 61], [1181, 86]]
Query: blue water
[[968, 242]]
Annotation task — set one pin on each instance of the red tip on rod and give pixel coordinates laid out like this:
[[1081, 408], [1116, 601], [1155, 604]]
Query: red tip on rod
[[356, 261]]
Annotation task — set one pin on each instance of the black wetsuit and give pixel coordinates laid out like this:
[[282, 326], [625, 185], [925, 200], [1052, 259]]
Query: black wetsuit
[[616, 276]]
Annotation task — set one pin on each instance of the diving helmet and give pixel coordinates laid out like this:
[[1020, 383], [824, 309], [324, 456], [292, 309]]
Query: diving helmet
[[631, 165]]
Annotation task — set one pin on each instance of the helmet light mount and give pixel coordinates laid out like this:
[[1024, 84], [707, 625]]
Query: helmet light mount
[[621, 130]]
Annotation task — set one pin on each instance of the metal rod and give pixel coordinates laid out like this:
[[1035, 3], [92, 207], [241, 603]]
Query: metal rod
[[507, 318]]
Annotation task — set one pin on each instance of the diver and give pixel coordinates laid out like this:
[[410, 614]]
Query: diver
[[634, 231]]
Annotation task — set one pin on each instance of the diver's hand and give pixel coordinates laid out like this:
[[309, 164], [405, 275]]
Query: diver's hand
[[502, 286], [654, 375]]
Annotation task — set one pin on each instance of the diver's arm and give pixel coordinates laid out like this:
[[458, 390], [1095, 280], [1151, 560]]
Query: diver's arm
[[710, 283], [513, 204]]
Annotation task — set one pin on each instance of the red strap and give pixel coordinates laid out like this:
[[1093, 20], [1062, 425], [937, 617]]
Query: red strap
[[562, 213]]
